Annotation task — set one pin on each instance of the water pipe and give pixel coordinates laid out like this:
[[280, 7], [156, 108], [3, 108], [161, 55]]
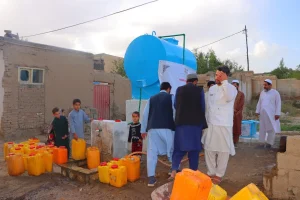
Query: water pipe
[[183, 51], [141, 85]]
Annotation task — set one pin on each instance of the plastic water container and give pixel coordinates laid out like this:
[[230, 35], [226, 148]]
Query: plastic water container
[[16, 150], [60, 155], [22, 146], [50, 148], [25, 157], [33, 140], [117, 176], [191, 185], [40, 149], [78, 149], [6, 147], [35, 165], [250, 192], [48, 161], [117, 161], [103, 173], [29, 150], [133, 166], [15, 164], [249, 128], [253, 129], [93, 157], [217, 193]]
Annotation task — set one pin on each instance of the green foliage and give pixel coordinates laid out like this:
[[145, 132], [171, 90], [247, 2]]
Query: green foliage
[[233, 66], [119, 67], [289, 127], [210, 62], [283, 72]]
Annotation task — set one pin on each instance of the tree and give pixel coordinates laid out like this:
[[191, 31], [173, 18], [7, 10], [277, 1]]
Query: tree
[[233, 66], [282, 72], [210, 62], [206, 62], [119, 67], [298, 67]]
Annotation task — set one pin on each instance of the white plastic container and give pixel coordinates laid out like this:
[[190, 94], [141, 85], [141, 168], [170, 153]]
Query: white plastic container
[[110, 137]]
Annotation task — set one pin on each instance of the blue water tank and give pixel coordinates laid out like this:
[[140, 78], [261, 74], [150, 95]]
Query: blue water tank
[[141, 62]]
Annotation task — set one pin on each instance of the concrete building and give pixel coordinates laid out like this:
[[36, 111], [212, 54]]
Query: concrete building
[[105, 62], [36, 78]]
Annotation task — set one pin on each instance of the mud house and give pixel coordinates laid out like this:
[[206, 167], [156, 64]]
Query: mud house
[[36, 78], [106, 62]]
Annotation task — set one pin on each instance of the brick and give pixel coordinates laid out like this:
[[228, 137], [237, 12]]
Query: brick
[[280, 187], [294, 178], [293, 145], [288, 161]]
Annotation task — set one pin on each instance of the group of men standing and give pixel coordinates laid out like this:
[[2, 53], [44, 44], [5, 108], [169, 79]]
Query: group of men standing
[[176, 126]]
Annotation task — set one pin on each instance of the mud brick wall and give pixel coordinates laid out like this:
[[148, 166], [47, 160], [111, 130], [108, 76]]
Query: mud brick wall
[[285, 183], [27, 108], [31, 107], [23, 107]]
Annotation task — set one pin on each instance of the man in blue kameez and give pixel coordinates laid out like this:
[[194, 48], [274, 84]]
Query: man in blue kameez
[[190, 121], [158, 124]]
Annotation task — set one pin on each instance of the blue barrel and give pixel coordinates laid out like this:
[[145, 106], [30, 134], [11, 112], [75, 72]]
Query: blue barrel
[[141, 62]]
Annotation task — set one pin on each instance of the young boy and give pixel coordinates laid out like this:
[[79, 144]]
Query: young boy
[[135, 135], [77, 119], [61, 129]]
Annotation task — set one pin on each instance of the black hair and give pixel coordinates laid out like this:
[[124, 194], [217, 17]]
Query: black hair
[[224, 69], [62, 110], [268, 83], [209, 83], [165, 86], [55, 110], [136, 113], [76, 101]]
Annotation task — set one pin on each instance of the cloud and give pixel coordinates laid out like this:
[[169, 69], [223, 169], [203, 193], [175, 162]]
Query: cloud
[[201, 21], [263, 49], [234, 53]]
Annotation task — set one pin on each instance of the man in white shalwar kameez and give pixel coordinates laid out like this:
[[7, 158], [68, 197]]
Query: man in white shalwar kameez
[[269, 110], [159, 126], [218, 141]]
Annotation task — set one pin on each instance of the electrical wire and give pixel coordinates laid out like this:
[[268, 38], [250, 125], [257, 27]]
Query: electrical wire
[[105, 16], [221, 39]]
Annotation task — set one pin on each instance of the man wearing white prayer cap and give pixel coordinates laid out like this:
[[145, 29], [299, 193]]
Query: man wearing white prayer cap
[[238, 113], [268, 109]]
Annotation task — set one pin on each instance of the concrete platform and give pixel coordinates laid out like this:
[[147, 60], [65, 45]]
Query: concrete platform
[[77, 170]]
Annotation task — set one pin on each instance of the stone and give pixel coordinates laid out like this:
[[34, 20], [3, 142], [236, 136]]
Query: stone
[[280, 187], [288, 161], [282, 172], [293, 145], [294, 178]]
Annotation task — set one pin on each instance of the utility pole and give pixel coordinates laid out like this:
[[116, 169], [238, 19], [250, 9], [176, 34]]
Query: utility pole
[[247, 47]]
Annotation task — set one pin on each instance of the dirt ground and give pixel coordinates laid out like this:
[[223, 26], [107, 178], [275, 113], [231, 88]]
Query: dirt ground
[[245, 167]]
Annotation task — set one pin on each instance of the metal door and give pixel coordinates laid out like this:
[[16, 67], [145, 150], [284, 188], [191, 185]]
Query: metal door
[[102, 100]]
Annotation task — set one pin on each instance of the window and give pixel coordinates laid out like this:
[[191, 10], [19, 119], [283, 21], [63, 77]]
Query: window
[[31, 75], [24, 75]]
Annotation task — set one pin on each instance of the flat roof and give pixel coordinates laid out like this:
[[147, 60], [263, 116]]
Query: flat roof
[[40, 46]]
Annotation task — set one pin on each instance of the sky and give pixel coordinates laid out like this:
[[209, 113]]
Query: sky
[[273, 26]]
